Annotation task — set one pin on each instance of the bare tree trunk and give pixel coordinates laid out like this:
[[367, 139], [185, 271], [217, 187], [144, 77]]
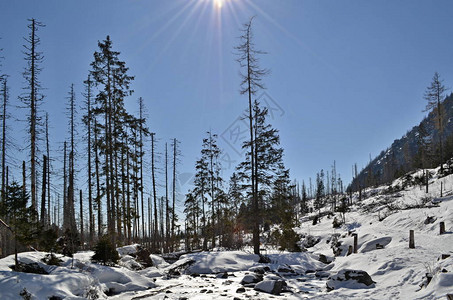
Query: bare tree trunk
[[98, 184], [123, 187], [65, 194], [156, 225], [5, 101], [167, 216], [129, 230], [82, 236], [33, 118], [141, 165], [48, 170], [43, 195], [173, 219], [90, 191]]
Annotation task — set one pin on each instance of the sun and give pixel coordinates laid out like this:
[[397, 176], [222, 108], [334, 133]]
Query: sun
[[219, 3]]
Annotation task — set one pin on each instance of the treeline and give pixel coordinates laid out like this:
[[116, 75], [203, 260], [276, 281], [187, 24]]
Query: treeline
[[426, 145], [104, 151]]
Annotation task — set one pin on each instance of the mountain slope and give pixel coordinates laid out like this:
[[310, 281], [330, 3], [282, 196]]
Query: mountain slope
[[405, 153]]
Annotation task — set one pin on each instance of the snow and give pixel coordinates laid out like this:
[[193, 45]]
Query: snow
[[385, 219]]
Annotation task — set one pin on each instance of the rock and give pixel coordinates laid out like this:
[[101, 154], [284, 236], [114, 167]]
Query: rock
[[144, 257], [259, 270], [203, 291], [222, 275], [325, 259], [352, 279], [444, 256], [240, 290], [273, 287], [272, 277], [251, 278], [195, 275], [180, 266], [429, 220], [285, 269], [264, 259], [322, 274]]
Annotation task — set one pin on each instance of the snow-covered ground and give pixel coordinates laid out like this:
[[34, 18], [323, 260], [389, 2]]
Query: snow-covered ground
[[382, 226]]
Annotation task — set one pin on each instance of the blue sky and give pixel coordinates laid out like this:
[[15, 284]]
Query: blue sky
[[347, 77]]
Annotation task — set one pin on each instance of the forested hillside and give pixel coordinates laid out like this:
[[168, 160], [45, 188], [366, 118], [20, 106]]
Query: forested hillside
[[418, 148]]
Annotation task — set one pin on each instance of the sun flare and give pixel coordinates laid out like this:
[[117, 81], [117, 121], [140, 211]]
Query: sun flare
[[219, 3]]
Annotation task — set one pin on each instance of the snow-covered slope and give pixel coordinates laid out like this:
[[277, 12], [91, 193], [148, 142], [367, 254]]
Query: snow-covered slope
[[381, 222]]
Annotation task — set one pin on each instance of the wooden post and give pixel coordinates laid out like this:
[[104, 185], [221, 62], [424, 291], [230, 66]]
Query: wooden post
[[441, 184], [442, 227], [355, 242], [349, 250], [411, 239]]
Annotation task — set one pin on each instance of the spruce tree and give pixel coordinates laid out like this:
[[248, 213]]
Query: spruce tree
[[110, 76], [250, 85], [434, 95]]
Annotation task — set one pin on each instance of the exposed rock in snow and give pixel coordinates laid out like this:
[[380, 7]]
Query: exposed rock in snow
[[222, 275], [251, 278], [374, 244], [127, 250], [285, 269], [270, 286], [259, 269], [128, 262], [351, 279], [158, 261]]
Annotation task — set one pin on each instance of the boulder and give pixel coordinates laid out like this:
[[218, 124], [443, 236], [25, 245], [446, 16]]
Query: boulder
[[273, 287], [259, 270], [222, 275], [325, 259], [322, 274], [285, 269], [352, 279], [251, 278]]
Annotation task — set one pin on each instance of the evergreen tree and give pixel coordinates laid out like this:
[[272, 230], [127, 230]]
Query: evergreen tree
[[192, 212], [199, 193], [434, 95], [268, 158], [22, 219], [110, 76], [210, 153], [319, 198], [251, 83]]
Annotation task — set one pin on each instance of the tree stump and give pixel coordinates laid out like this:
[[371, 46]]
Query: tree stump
[[411, 239], [355, 242], [442, 227], [349, 250]]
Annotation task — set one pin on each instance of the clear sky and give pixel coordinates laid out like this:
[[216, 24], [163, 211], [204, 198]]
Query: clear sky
[[347, 77]]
